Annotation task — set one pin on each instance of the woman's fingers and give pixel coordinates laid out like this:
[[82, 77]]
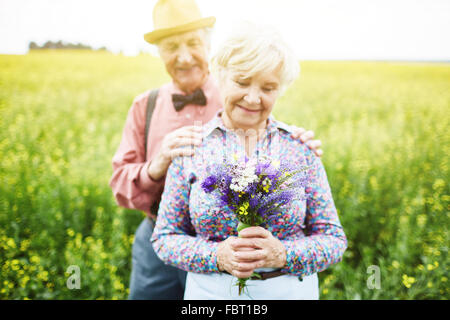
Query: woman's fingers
[[246, 269], [242, 274], [254, 243], [254, 232], [250, 255]]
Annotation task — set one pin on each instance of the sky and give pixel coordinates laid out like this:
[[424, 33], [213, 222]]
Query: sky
[[315, 29]]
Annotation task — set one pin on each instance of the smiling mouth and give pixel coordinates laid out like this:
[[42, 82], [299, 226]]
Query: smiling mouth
[[185, 69], [247, 110]]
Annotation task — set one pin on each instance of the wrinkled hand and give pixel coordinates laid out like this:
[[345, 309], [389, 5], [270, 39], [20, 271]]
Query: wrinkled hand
[[307, 138], [173, 145], [255, 248]]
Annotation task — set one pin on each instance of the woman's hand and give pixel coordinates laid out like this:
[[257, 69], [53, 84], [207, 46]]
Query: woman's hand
[[307, 138], [173, 146], [255, 248]]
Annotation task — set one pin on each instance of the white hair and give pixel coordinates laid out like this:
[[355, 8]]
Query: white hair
[[252, 48]]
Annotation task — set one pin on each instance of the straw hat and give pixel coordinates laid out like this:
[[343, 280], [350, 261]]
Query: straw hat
[[176, 16]]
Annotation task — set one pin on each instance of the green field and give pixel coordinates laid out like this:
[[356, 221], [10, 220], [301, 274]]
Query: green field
[[385, 131]]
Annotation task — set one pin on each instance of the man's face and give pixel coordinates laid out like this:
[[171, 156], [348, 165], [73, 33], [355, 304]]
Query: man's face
[[186, 58]]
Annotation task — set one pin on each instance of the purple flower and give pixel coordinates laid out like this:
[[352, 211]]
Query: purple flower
[[209, 184]]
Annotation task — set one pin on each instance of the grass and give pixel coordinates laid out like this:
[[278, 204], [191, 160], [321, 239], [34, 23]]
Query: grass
[[384, 127]]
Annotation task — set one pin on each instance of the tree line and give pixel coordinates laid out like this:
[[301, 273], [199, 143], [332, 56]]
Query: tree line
[[62, 45]]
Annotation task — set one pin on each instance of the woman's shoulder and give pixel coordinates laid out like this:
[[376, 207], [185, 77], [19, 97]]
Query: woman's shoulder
[[292, 147]]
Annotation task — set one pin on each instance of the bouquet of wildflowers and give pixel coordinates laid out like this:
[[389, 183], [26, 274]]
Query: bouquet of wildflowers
[[256, 190]]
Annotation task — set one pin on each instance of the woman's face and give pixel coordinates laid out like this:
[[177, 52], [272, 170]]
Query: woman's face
[[248, 102]]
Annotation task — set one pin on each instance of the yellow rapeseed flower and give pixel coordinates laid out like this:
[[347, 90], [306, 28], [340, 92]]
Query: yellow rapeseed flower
[[408, 281], [35, 259], [11, 243], [24, 281], [43, 275], [243, 208], [25, 244], [70, 232]]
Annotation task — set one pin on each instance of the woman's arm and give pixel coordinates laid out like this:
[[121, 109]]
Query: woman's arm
[[174, 237], [325, 241]]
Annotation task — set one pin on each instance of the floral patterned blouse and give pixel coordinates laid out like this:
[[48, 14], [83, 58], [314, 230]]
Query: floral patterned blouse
[[190, 225]]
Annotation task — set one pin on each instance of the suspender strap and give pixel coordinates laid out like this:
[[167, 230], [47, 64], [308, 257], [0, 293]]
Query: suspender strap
[[151, 102]]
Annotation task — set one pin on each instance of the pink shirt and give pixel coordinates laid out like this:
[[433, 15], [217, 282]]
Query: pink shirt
[[130, 183]]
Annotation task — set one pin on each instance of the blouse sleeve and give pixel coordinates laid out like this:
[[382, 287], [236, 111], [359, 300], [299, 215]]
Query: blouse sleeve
[[174, 237], [325, 240]]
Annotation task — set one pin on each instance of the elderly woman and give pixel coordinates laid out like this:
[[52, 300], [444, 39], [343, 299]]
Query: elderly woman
[[253, 67]]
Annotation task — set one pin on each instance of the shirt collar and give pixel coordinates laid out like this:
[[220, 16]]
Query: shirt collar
[[273, 125]]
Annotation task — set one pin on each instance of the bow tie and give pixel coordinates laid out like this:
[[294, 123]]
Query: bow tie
[[196, 97]]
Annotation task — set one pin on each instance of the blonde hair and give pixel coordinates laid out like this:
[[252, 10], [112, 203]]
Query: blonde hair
[[252, 48]]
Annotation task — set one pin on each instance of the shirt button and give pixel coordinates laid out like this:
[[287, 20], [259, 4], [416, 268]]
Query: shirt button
[[188, 116]]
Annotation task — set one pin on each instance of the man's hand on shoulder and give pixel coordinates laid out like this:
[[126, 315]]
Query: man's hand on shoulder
[[307, 137]]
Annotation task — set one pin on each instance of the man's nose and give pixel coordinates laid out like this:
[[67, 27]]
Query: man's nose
[[253, 96], [184, 55]]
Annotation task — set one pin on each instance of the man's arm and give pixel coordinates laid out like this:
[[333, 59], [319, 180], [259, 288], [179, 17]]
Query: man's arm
[[130, 182]]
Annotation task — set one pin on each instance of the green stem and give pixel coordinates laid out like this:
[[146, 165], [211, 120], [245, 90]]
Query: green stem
[[242, 226]]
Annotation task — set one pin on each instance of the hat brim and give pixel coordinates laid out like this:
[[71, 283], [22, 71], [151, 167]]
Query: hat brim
[[154, 36]]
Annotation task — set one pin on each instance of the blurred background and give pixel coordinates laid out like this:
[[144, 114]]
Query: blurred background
[[374, 86]]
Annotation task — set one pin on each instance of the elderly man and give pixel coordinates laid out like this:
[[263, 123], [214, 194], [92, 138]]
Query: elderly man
[[142, 160]]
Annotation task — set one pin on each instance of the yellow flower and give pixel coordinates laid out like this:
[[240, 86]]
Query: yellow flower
[[35, 259], [70, 232], [24, 281], [43, 275], [24, 245], [11, 243], [395, 264], [243, 208], [408, 281]]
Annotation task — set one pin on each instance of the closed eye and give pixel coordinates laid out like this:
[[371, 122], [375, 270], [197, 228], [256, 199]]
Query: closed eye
[[241, 83]]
